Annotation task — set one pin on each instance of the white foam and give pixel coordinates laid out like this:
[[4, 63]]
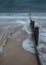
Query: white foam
[[28, 45], [39, 17], [40, 47], [42, 55], [42, 29], [43, 59], [37, 24], [27, 29], [42, 37]]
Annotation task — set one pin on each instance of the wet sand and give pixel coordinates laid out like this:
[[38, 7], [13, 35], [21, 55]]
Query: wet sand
[[14, 54]]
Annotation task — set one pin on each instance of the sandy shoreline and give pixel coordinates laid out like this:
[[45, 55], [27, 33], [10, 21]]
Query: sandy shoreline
[[15, 29], [14, 54]]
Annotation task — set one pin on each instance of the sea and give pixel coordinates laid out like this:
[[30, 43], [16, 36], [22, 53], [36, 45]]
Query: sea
[[22, 6]]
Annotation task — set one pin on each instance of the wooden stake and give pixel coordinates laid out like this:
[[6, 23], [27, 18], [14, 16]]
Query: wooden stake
[[36, 34], [32, 24]]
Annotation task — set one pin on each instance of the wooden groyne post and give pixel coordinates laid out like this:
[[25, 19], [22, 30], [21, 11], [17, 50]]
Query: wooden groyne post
[[36, 35], [35, 31], [32, 25]]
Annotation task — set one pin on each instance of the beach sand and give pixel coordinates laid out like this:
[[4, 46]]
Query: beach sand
[[14, 54]]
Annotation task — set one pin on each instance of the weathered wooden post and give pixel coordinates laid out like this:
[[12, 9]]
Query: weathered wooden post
[[35, 37], [32, 25], [36, 34], [35, 31]]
